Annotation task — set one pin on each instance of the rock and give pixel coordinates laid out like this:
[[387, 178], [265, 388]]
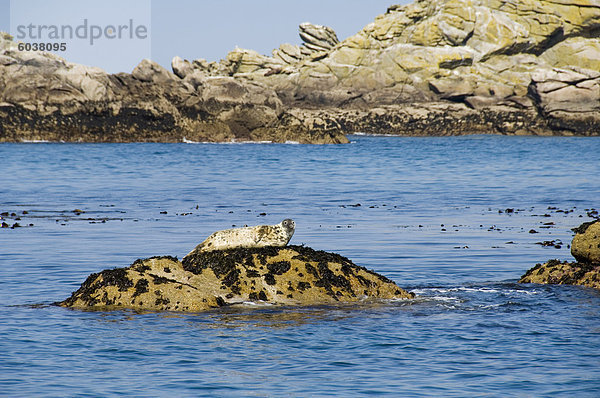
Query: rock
[[241, 61], [288, 53], [584, 271], [574, 89], [150, 71], [181, 67], [317, 37], [424, 119], [581, 51], [586, 243], [480, 54], [555, 272], [292, 275], [6, 42]]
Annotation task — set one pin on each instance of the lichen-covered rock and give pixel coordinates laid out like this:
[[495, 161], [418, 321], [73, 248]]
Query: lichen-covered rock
[[586, 243], [584, 271], [292, 275], [480, 53]]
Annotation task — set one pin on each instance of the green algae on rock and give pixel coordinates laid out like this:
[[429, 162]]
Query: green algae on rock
[[585, 271], [291, 275]]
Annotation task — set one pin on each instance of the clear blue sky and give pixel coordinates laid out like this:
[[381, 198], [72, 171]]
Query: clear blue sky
[[191, 29]]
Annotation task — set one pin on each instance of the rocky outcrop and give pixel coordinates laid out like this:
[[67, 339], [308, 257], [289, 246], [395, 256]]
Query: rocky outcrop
[[584, 271], [555, 272], [44, 97], [317, 38], [536, 57], [292, 275], [527, 67]]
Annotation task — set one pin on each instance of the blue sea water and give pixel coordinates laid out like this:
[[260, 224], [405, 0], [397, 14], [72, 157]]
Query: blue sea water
[[433, 217]]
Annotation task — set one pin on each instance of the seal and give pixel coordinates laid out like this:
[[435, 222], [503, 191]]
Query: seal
[[248, 237]]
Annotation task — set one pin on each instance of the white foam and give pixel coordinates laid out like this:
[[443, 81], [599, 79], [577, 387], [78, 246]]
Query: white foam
[[234, 141], [186, 141]]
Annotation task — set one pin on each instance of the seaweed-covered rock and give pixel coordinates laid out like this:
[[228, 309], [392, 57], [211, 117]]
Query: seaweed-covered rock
[[585, 271], [291, 275], [586, 243], [555, 272]]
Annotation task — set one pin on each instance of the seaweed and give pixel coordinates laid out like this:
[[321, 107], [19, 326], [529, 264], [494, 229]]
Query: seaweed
[[140, 287], [159, 280], [279, 268], [270, 279], [250, 273], [583, 227], [116, 277]]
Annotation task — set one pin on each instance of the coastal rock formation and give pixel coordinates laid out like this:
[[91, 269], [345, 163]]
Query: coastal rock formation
[[584, 271], [44, 97], [291, 275], [537, 58], [443, 67]]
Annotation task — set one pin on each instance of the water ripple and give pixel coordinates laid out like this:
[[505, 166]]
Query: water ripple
[[430, 213]]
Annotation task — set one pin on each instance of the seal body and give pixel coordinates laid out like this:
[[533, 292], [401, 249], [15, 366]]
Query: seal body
[[247, 237]]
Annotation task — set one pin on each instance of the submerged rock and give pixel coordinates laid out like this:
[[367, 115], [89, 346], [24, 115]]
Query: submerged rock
[[585, 271], [292, 275]]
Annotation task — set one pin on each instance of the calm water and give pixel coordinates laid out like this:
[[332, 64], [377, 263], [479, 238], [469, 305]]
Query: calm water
[[432, 217]]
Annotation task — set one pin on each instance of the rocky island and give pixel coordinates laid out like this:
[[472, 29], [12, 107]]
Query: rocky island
[[585, 270], [442, 67], [290, 275]]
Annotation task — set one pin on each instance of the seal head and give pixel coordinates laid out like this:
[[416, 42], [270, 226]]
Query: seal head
[[289, 226]]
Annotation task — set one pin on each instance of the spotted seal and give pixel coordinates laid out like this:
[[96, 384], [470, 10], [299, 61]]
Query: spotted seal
[[258, 236]]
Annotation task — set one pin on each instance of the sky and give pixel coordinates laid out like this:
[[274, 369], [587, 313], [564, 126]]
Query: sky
[[117, 34]]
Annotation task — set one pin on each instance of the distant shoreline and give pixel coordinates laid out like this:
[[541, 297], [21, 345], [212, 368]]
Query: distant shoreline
[[416, 71]]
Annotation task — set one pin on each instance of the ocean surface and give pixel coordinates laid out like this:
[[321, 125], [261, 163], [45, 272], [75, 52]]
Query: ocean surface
[[456, 220]]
